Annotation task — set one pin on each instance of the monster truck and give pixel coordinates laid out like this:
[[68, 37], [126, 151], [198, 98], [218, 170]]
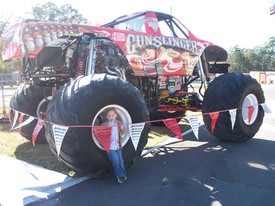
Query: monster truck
[[142, 64]]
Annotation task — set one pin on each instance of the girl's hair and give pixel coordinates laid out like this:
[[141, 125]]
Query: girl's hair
[[110, 109]]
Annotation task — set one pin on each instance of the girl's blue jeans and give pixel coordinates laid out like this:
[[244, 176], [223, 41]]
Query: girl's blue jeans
[[117, 161]]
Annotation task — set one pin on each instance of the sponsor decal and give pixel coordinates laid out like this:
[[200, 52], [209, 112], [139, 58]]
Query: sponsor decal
[[151, 55], [135, 43], [117, 36]]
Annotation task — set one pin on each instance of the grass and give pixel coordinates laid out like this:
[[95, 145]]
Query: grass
[[14, 145]]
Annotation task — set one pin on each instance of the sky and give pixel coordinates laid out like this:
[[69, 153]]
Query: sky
[[227, 23]]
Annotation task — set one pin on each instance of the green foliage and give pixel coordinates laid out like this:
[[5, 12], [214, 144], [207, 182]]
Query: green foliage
[[3, 25], [52, 12], [261, 58], [237, 60], [1, 61], [11, 66]]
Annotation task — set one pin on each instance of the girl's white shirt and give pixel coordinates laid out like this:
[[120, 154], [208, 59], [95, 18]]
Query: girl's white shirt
[[114, 145]]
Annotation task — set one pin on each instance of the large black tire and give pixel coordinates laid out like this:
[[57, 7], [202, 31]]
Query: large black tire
[[27, 103], [81, 102], [230, 91]]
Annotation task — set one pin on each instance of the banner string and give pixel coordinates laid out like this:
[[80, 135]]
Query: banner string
[[150, 121]]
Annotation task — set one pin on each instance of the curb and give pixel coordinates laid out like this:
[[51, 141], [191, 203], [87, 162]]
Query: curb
[[23, 183]]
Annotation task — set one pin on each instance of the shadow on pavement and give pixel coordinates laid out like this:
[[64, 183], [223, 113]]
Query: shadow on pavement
[[40, 155]]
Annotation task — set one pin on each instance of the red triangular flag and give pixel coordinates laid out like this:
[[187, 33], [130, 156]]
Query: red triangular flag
[[214, 116], [173, 126], [103, 134], [250, 112], [38, 127], [20, 120]]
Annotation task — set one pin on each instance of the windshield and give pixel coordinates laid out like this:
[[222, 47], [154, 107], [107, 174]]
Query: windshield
[[136, 24], [173, 28]]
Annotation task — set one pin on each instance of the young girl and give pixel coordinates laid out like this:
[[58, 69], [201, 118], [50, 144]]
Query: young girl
[[115, 154]]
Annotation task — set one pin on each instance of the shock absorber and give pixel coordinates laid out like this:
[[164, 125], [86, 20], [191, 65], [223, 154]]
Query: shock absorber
[[205, 67], [81, 60]]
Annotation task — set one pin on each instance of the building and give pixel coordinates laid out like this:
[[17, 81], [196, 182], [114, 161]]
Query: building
[[263, 77]]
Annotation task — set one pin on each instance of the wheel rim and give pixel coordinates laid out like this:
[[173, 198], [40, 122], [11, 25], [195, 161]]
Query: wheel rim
[[123, 116], [250, 100], [42, 107]]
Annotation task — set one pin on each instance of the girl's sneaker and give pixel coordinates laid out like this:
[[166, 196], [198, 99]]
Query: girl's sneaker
[[122, 179]]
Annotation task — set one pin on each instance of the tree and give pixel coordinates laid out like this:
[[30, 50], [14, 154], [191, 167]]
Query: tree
[[266, 55], [261, 58], [3, 25], [237, 60], [52, 12], [252, 59], [270, 53]]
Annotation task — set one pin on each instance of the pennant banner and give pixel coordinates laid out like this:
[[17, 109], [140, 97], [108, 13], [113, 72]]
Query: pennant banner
[[27, 121], [194, 123], [173, 126], [38, 127], [214, 117], [59, 133], [15, 117], [103, 134], [265, 108], [135, 133], [233, 113]]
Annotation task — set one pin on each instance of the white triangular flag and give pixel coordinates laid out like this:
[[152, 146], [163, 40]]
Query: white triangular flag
[[135, 133], [15, 117], [27, 121], [265, 108], [194, 123], [233, 113], [59, 133]]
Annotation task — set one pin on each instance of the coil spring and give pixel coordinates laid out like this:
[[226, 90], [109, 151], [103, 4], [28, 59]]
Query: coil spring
[[80, 67]]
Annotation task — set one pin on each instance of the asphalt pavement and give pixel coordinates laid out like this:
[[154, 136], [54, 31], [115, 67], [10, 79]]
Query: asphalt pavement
[[191, 172]]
